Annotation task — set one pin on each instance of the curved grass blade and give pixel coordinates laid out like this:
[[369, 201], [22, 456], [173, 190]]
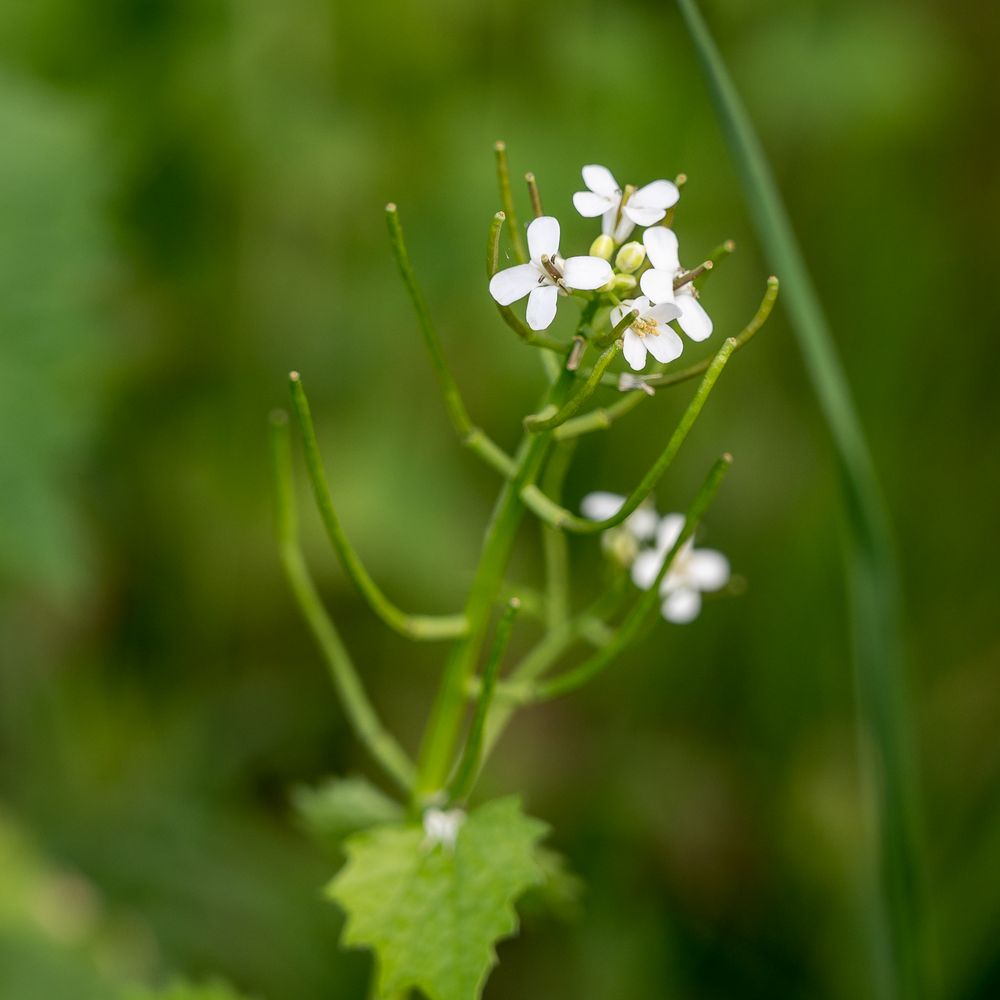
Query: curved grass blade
[[872, 572]]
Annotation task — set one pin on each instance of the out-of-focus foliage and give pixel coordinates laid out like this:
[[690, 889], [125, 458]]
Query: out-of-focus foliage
[[191, 198]]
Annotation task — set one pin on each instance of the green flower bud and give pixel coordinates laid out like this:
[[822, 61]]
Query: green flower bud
[[630, 257], [604, 247], [624, 282]]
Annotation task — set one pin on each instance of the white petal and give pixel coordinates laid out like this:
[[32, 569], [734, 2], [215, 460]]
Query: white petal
[[659, 194], [513, 283], [657, 284], [641, 215], [624, 229], [541, 306], [634, 350], [586, 272], [608, 221], [599, 506], [543, 237], [669, 531], [600, 180], [661, 246], [665, 346], [590, 205], [646, 568], [694, 321], [664, 312], [642, 524], [707, 569], [682, 606]]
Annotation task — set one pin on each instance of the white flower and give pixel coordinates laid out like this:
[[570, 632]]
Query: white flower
[[624, 540], [644, 207], [658, 283], [546, 275], [649, 332], [693, 571], [441, 826]]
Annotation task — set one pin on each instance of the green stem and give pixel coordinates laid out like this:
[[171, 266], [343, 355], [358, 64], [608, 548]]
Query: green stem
[[507, 201], [473, 437], [468, 767], [552, 417], [360, 714], [874, 580], [637, 617], [601, 418], [742, 339], [419, 627], [554, 542], [558, 516], [533, 193], [449, 706]]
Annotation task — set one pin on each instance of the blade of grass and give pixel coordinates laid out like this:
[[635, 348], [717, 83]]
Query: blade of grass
[[872, 573]]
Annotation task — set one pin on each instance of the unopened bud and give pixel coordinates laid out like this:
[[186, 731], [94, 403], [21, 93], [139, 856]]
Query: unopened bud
[[630, 257], [603, 247], [624, 282]]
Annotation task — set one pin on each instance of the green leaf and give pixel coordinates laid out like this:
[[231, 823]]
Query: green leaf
[[432, 914], [342, 806]]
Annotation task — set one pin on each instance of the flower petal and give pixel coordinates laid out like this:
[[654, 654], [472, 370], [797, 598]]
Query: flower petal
[[682, 606], [514, 283], [601, 505], [624, 229], [543, 237], [694, 321], [541, 306], [661, 246], [657, 284], [641, 215], [586, 273], [600, 180], [608, 221], [707, 569], [665, 346], [634, 350], [642, 524], [669, 531], [658, 194], [646, 568], [663, 312], [590, 205]]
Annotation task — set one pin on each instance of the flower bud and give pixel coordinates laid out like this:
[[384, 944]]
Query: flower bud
[[603, 247], [624, 282], [630, 257]]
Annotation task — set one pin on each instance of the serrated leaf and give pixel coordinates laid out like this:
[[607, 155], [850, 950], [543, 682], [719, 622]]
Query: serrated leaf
[[433, 914], [560, 894], [342, 806]]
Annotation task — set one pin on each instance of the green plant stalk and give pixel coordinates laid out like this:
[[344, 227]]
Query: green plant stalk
[[446, 714], [666, 379], [557, 516], [473, 437], [634, 621], [468, 767], [555, 547], [507, 201], [360, 714], [418, 627], [551, 417], [873, 576]]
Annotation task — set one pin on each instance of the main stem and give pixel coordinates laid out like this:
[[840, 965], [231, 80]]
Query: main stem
[[441, 735]]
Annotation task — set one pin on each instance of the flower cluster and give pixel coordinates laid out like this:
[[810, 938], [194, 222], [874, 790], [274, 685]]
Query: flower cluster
[[653, 266], [643, 541]]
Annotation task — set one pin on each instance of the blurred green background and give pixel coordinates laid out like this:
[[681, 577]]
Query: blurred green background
[[191, 203]]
